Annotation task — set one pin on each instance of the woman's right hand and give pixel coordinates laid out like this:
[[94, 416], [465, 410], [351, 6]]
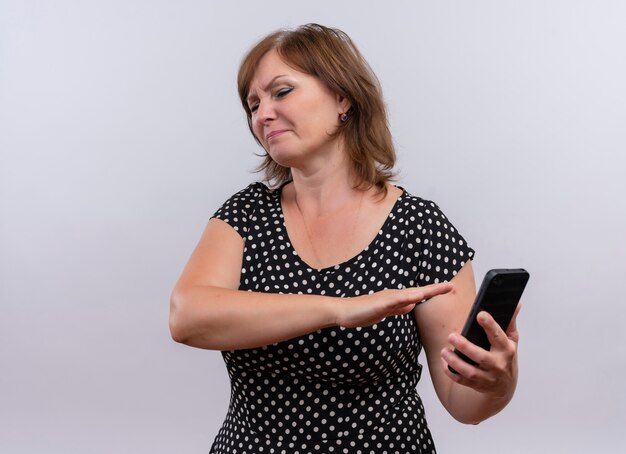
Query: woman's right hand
[[367, 310]]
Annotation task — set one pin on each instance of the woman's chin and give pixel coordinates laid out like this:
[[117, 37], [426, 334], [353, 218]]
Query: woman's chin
[[283, 157]]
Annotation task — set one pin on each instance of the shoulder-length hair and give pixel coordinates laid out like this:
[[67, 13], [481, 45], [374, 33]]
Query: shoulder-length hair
[[331, 56]]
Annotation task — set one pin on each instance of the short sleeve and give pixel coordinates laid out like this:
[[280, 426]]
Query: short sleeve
[[442, 251], [238, 210]]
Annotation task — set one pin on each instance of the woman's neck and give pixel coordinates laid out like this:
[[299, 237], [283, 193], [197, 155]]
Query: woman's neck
[[325, 190]]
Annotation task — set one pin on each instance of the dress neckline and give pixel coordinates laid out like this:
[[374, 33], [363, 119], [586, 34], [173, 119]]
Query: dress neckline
[[352, 260]]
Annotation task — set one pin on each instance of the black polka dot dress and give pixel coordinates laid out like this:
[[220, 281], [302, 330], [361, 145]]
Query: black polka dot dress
[[335, 390]]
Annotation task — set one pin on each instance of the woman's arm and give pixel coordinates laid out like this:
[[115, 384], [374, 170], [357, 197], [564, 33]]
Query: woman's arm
[[476, 393], [207, 310]]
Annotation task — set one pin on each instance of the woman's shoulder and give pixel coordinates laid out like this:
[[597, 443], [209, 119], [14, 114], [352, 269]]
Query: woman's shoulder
[[423, 209], [253, 189], [240, 209], [442, 248], [255, 192], [416, 203]]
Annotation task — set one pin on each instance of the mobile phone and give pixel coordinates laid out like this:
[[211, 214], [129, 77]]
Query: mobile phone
[[499, 295]]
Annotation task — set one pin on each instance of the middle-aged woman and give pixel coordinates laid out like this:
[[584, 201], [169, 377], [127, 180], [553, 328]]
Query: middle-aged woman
[[322, 288]]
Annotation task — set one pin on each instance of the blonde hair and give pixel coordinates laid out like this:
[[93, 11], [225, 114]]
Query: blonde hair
[[331, 56]]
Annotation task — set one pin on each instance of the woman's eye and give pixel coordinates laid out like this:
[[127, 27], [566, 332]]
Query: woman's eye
[[283, 91], [253, 108]]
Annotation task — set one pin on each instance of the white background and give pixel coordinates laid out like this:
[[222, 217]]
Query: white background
[[121, 132]]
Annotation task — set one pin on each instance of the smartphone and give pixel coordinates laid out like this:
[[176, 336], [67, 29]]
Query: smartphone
[[499, 295]]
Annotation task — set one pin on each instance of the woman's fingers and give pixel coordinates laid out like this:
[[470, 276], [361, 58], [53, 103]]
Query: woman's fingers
[[500, 343], [496, 368], [403, 301], [496, 335], [472, 351], [429, 291], [467, 374], [452, 359], [369, 309]]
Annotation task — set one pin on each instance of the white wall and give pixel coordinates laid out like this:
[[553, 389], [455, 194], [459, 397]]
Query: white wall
[[121, 132]]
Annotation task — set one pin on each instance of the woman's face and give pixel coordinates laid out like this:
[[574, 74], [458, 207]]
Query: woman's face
[[293, 113]]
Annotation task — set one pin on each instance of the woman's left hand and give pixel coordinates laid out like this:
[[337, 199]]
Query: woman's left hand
[[496, 373]]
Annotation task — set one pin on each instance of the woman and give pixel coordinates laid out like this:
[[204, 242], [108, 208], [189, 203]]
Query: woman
[[321, 293]]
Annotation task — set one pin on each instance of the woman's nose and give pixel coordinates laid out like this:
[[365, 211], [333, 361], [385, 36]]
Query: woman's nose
[[265, 112]]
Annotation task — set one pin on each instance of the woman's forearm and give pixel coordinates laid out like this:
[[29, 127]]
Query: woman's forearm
[[472, 407], [224, 319], [217, 318]]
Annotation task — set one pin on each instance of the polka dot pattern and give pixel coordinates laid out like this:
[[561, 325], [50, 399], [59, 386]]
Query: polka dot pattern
[[335, 390]]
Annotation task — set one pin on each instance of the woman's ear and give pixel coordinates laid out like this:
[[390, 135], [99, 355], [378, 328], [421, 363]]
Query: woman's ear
[[343, 103]]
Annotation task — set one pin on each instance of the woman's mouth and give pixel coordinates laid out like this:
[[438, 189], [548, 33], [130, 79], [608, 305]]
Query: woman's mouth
[[274, 134]]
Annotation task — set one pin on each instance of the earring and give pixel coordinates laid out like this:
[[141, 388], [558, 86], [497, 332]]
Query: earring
[[343, 118]]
